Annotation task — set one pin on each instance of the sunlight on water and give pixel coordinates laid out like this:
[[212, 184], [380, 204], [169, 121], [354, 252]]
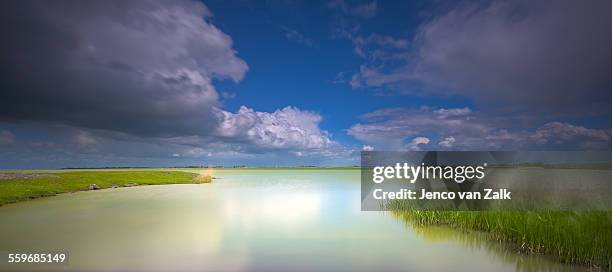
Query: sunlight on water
[[255, 220]]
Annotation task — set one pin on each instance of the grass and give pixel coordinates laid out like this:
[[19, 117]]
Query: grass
[[19, 189], [570, 237]]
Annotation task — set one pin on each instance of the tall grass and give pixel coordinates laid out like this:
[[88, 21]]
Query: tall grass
[[570, 237], [204, 176]]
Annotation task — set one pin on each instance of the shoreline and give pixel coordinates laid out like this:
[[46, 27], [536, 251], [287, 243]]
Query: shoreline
[[49, 183], [562, 236]]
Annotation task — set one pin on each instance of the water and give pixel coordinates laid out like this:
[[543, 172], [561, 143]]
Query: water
[[247, 220]]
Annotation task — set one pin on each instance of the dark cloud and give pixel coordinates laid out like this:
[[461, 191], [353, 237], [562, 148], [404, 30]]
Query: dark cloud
[[266, 139], [140, 67], [98, 83], [537, 56]]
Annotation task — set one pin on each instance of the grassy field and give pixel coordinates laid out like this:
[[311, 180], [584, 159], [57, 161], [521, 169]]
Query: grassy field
[[570, 237], [56, 182], [71, 180], [183, 169]]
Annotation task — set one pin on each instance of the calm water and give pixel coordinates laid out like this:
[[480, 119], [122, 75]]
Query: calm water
[[247, 220]]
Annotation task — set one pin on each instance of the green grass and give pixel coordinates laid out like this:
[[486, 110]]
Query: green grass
[[570, 237], [186, 169], [19, 189]]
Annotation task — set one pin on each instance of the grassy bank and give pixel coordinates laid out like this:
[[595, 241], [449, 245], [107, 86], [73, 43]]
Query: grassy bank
[[570, 237], [24, 187]]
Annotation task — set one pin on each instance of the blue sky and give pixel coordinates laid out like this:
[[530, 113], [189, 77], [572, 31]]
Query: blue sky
[[286, 71], [149, 83]]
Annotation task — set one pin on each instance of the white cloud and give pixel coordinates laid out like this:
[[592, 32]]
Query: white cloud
[[447, 142], [196, 152], [445, 113], [463, 129], [391, 128], [287, 128], [6, 138], [416, 142], [367, 148], [248, 136]]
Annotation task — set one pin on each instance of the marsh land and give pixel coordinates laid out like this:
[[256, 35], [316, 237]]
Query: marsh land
[[246, 219]]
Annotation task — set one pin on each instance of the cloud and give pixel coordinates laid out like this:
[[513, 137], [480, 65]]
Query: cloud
[[85, 139], [446, 113], [297, 37], [55, 146], [532, 56], [287, 128], [379, 48], [414, 144], [6, 138], [559, 133], [141, 67], [391, 128], [133, 82], [373, 47], [365, 10], [367, 148], [447, 142], [464, 129], [288, 131]]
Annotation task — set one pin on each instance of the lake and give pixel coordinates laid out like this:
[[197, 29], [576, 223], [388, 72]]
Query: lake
[[246, 220]]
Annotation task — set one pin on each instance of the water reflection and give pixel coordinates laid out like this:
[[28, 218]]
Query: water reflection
[[247, 220], [477, 241]]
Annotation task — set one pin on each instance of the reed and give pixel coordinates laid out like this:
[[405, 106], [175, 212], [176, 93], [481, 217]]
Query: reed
[[570, 237]]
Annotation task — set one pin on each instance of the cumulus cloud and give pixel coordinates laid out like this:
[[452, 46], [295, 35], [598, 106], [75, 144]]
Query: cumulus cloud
[[416, 142], [6, 138], [134, 81], [140, 67], [367, 148], [287, 128], [287, 136], [522, 55], [464, 129]]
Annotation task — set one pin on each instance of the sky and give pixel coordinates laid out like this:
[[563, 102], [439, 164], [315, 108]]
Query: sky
[[282, 83]]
